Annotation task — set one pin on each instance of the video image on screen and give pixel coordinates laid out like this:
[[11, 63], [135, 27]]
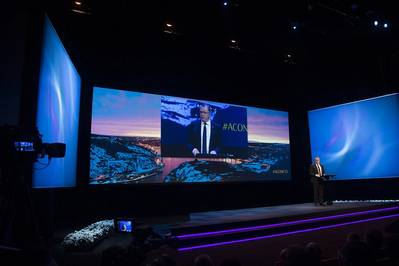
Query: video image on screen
[[358, 140], [181, 129], [124, 226], [146, 138], [57, 117]]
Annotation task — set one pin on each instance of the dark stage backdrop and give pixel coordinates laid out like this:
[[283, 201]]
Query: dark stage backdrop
[[169, 68]]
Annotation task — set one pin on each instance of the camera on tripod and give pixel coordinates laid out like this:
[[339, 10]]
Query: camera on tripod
[[19, 145]]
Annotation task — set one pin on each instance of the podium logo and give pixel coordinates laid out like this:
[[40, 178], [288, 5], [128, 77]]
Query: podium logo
[[280, 171], [235, 127]]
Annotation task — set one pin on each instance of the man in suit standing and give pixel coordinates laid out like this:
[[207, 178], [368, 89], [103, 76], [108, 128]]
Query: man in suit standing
[[317, 172], [204, 136]]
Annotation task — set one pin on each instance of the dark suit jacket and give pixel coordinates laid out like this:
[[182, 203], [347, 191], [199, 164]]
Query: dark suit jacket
[[194, 137], [313, 172]]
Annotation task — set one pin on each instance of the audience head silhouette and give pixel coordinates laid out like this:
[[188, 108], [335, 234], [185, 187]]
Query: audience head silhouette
[[293, 256], [230, 262], [203, 260], [356, 253]]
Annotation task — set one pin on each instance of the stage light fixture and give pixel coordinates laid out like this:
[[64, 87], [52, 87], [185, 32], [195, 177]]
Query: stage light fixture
[[289, 59], [296, 26], [170, 28], [380, 24], [233, 44], [230, 3], [80, 7]]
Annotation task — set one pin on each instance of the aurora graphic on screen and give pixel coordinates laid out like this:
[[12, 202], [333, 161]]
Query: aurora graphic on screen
[[358, 140], [146, 138], [57, 116]]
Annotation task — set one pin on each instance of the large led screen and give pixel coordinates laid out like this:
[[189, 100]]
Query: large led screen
[[358, 140], [57, 116], [146, 138]]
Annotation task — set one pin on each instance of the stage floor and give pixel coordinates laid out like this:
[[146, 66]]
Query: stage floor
[[250, 214], [241, 215], [206, 229]]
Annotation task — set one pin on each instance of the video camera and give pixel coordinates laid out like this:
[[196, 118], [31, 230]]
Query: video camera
[[19, 145]]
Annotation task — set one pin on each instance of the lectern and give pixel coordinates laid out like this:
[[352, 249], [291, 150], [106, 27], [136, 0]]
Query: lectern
[[327, 188]]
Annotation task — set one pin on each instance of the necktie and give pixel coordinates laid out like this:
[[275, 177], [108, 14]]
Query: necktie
[[204, 149]]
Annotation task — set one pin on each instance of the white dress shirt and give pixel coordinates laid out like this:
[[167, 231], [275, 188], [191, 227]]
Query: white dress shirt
[[319, 170]]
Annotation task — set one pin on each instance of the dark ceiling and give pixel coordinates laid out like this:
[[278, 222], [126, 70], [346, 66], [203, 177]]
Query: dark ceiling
[[335, 48]]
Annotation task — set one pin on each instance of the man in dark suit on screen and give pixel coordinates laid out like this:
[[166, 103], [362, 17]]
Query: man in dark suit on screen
[[204, 136], [317, 173]]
